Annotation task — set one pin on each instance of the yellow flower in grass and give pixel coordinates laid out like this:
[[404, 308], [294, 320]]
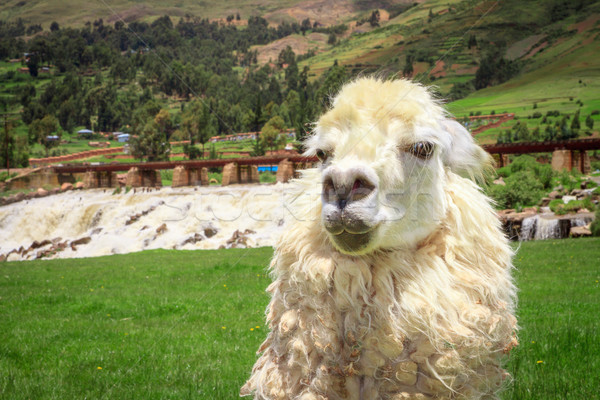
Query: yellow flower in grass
[[257, 327], [223, 327], [99, 368], [251, 329], [540, 362]]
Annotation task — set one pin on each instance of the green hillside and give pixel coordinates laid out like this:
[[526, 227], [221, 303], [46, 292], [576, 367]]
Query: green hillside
[[538, 60], [76, 13]]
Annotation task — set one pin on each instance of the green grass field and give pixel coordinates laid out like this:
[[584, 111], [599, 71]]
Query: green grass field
[[186, 324]]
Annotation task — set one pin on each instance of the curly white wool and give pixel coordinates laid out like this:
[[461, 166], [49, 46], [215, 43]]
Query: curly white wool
[[423, 321]]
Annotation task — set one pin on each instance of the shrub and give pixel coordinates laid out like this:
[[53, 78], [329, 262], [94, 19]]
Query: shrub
[[560, 208], [522, 189], [268, 177], [569, 180], [595, 228], [556, 204], [525, 162]]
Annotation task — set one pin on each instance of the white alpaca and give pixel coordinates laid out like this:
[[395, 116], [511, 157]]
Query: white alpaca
[[397, 284]]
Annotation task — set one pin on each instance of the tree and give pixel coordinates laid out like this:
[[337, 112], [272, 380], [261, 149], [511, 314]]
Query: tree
[[199, 124], [472, 41], [151, 144], [45, 132], [407, 71], [164, 122], [521, 132], [305, 26], [564, 131], [549, 133], [374, 18], [331, 39], [7, 141], [286, 56], [54, 26], [589, 122], [575, 124], [33, 65], [334, 78], [271, 135]]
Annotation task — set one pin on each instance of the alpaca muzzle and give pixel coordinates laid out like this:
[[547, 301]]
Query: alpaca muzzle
[[349, 207]]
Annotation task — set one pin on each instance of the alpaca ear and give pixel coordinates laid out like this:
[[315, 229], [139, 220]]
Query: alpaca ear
[[464, 156]]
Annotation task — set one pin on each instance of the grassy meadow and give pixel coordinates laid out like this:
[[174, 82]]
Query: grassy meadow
[[186, 324]]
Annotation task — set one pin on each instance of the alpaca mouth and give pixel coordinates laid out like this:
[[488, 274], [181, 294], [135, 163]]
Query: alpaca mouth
[[352, 242]]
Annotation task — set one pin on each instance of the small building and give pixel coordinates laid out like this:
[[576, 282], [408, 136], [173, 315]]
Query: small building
[[85, 132]]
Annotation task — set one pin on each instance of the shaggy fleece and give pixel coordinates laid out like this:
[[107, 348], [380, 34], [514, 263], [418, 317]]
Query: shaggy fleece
[[433, 320]]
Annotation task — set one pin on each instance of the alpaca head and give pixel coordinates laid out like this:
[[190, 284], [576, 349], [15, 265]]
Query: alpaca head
[[385, 149]]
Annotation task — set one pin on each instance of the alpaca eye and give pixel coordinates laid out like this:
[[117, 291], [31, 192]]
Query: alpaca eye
[[422, 150], [322, 155]]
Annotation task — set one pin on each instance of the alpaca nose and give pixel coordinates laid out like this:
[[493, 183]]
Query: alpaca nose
[[345, 187]]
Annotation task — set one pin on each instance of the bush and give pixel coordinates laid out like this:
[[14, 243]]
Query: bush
[[268, 177], [525, 162], [556, 205], [595, 228], [522, 189], [570, 180]]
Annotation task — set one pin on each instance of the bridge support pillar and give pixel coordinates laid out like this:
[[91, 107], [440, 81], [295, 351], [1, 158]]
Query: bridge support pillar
[[143, 178], [189, 177], [107, 179], [248, 174], [230, 174], [502, 160], [562, 159], [285, 171], [204, 176], [581, 161], [181, 177], [90, 180]]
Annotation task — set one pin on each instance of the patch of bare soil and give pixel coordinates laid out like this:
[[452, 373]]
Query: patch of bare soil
[[586, 24], [134, 13], [438, 70], [300, 45], [536, 50], [326, 12]]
